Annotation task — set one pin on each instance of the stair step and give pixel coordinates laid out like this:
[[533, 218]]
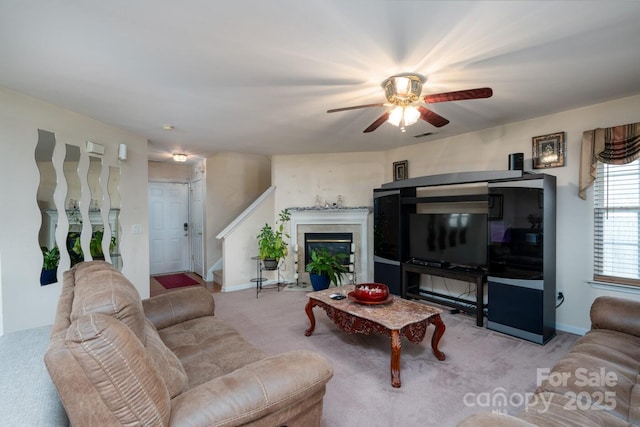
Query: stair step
[[217, 276]]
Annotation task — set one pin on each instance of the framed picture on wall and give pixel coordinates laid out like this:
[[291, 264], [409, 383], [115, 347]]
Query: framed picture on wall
[[400, 170], [549, 151]]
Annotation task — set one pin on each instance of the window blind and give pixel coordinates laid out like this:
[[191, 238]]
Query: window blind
[[617, 223]]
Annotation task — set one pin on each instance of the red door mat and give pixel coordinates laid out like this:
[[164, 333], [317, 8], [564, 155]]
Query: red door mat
[[178, 280]]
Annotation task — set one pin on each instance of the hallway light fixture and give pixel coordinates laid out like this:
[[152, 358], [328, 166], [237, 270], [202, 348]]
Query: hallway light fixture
[[179, 157]]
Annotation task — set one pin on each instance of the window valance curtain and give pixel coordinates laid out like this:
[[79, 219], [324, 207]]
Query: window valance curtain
[[615, 145]]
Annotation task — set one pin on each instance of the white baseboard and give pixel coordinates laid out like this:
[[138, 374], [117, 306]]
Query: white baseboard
[[571, 329], [250, 285]]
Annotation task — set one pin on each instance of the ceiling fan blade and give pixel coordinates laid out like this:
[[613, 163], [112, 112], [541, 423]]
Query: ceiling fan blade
[[335, 110], [483, 92], [430, 117], [423, 135], [375, 125]]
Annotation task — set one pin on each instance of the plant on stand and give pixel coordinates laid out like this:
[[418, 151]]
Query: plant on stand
[[271, 245], [325, 268]]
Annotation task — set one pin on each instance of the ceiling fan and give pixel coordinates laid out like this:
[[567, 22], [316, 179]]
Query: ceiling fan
[[403, 93]]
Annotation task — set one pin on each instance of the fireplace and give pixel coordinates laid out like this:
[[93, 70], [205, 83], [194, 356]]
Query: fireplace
[[334, 243], [335, 224]]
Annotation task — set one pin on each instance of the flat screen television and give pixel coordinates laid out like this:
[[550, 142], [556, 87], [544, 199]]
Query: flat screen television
[[459, 239]]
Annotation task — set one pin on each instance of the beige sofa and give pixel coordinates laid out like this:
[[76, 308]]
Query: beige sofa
[[596, 384], [117, 360]]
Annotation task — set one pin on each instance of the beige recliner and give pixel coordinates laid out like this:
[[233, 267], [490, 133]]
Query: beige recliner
[[117, 360]]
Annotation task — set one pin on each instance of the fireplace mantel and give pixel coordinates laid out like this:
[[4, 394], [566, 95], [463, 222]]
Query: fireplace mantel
[[358, 215], [355, 216]]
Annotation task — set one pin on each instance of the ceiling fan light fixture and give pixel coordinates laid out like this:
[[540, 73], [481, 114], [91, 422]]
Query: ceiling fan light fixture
[[403, 93], [404, 116], [403, 89]]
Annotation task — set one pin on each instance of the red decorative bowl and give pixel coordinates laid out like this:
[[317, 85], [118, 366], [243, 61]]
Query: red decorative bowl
[[371, 292]]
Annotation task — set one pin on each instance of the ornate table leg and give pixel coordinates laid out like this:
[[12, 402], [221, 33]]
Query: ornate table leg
[[395, 358], [309, 310], [437, 334]]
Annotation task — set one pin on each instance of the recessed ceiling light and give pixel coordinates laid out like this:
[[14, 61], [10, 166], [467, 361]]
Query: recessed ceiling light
[[168, 127]]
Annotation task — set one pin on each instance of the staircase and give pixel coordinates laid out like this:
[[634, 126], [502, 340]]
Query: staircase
[[239, 244], [217, 277]]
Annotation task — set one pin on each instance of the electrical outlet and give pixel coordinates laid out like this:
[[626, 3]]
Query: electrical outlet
[[560, 295], [137, 229]]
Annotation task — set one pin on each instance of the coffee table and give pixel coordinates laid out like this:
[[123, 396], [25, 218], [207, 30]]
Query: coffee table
[[394, 318]]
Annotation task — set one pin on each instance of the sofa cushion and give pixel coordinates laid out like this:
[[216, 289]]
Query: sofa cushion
[[620, 349], [554, 409], [165, 361], [101, 288], [208, 348], [178, 306], [115, 361], [592, 381]]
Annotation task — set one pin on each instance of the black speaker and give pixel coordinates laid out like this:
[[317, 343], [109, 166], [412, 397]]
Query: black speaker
[[516, 161]]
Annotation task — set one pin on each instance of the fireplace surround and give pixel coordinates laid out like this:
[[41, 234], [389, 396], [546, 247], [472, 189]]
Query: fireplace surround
[[342, 221]]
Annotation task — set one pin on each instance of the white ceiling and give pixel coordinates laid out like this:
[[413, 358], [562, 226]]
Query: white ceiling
[[257, 76]]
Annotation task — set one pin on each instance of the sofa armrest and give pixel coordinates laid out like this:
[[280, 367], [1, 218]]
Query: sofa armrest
[[493, 420], [616, 314], [253, 391], [178, 306]]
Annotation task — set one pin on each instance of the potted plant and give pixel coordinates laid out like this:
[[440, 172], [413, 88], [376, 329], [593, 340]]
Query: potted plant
[[325, 268], [51, 259], [271, 245]]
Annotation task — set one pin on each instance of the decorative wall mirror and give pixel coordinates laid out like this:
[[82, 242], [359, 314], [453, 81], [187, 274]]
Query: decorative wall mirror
[[46, 237], [87, 235], [95, 228], [72, 202], [113, 188]]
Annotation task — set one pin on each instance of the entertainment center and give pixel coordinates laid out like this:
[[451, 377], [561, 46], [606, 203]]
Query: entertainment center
[[492, 229]]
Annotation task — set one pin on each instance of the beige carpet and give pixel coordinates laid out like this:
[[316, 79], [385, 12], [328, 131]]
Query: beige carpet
[[300, 286], [480, 363]]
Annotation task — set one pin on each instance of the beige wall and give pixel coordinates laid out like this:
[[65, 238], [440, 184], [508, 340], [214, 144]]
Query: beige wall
[[167, 171], [300, 178], [233, 182], [24, 303]]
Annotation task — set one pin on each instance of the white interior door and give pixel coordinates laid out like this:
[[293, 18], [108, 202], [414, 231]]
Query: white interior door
[[168, 239], [197, 210]]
